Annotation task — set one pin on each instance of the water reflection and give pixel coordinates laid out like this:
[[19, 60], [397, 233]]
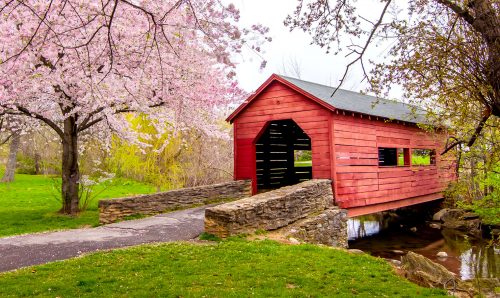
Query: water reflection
[[480, 262], [386, 235], [367, 225]]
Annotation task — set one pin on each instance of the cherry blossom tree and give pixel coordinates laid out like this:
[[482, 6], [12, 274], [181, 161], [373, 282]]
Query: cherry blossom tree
[[79, 66]]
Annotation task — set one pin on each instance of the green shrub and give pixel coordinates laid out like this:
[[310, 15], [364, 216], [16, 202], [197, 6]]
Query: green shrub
[[487, 207], [25, 164]]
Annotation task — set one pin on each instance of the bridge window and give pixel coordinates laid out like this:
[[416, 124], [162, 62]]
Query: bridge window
[[387, 156], [394, 157], [404, 157], [423, 157], [303, 158]]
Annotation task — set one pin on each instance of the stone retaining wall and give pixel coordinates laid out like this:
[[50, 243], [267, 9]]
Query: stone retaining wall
[[328, 228], [116, 209], [270, 210]]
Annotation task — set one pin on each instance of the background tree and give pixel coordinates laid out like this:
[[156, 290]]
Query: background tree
[[40, 152], [77, 66], [10, 131], [445, 54], [173, 160], [10, 168], [478, 174]]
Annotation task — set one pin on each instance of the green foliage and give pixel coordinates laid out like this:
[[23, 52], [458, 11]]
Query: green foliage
[[303, 158], [261, 232], [421, 157], [25, 164], [417, 160], [29, 204], [234, 268], [488, 208], [303, 155], [38, 152], [172, 160], [453, 193], [209, 237], [155, 163], [477, 187]]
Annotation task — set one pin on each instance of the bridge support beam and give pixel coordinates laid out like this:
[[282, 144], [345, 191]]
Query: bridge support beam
[[369, 209]]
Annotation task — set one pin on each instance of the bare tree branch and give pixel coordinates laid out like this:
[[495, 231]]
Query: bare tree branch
[[361, 54]]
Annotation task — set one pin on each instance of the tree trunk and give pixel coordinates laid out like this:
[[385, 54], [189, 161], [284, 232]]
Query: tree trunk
[[70, 170], [459, 160], [487, 23], [37, 163], [473, 181], [10, 169]]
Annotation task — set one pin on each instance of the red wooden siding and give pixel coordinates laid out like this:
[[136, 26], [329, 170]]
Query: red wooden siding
[[344, 149], [279, 102], [361, 182]]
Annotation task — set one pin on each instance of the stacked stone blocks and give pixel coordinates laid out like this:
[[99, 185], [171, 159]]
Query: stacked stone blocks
[[306, 209], [328, 228], [117, 209]]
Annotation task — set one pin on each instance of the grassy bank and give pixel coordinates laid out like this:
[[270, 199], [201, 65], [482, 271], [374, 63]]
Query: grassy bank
[[234, 268], [30, 204]]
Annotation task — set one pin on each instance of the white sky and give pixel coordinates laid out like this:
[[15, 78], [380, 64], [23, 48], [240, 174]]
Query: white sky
[[315, 64]]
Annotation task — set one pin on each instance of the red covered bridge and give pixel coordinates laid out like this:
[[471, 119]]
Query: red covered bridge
[[371, 148]]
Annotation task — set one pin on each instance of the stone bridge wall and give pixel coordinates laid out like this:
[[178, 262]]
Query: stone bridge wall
[[305, 208], [329, 228], [116, 209]]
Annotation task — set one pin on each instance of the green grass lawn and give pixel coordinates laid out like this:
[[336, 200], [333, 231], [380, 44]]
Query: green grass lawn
[[30, 204], [305, 163], [420, 160], [234, 268]]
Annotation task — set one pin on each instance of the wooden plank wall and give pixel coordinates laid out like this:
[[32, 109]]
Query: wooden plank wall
[[275, 155], [279, 102], [361, 182]]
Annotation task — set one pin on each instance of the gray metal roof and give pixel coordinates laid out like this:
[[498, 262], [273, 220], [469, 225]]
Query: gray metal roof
[[361, 103]]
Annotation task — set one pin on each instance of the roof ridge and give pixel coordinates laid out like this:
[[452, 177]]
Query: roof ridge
[[364, 94], [346, 100]]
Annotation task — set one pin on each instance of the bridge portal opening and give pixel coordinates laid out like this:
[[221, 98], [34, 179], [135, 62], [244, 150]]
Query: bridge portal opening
[[283, 155]]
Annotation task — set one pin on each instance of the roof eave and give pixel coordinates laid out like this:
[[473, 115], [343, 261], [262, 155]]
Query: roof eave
[[275, 77], [384, 118]]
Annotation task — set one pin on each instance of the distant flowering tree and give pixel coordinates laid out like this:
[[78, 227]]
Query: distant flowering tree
[[78, 66]]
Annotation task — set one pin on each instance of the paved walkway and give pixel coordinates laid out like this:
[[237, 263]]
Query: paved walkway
[[33, 249]]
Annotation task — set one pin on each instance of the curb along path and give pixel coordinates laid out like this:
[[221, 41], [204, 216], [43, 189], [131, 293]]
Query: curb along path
[[33, 249]]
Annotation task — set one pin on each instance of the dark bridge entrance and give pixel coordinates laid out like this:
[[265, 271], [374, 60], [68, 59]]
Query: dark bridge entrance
[[283, 154]]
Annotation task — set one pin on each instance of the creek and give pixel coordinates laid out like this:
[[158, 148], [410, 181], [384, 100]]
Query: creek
[[389, 236]]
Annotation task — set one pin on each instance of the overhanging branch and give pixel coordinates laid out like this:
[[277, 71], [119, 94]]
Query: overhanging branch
[[480, 126], [25, 112], [475, 135], [361, 53]]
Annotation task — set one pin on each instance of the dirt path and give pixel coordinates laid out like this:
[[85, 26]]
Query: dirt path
[[33, 249]]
